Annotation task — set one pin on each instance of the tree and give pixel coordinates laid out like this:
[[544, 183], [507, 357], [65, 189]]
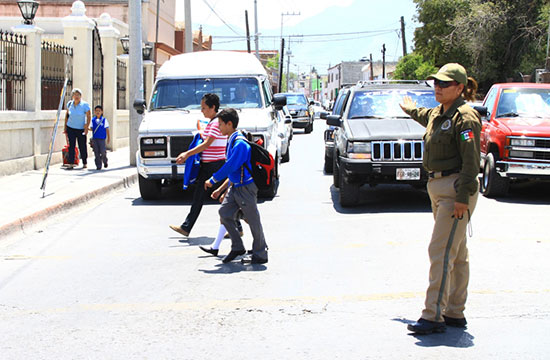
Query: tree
[[494, 40], [413, 67]]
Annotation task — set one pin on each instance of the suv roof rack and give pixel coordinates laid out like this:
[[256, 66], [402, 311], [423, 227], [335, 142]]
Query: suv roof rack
[[363, 83]]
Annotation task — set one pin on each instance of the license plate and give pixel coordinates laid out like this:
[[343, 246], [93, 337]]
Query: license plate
[[407, 174]]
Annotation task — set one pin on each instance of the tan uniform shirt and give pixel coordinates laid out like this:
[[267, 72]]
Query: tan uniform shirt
[[452, 142]]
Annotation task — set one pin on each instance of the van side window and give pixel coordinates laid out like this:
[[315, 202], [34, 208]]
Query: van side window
[[267, 93]]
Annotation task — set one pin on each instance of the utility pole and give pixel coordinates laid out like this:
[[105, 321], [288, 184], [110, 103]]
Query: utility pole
[[157, 30], [548, 46], [188, 28], [289, 53], [247, 31], [383, 61], [256, 28], [371, 68], [281, 60], [136, 74], [403, 36], [281, 67]]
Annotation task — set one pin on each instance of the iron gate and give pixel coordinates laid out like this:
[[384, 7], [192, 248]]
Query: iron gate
[[97, 69]]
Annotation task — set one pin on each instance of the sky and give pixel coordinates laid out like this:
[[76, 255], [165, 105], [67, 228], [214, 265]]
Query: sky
[[325, 33]]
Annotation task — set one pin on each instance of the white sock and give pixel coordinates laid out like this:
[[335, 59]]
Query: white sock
[[219, 238]]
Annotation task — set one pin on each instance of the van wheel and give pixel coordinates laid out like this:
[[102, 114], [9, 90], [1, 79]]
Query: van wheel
[[492, 184], [349, 193], [328, 165], [286, 157], [149, 189], [335, 170]]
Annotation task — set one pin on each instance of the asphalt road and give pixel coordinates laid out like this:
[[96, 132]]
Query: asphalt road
[[112, 281]]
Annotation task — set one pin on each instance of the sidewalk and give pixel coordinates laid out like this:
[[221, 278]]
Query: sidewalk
[[23, 205]]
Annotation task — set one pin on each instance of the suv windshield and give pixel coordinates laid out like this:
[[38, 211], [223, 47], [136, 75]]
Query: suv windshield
[[187, 93], [385, 103], [530, 102], [296, 99]]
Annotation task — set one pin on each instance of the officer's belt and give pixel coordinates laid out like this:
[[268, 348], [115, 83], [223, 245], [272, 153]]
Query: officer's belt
[[439, 174]]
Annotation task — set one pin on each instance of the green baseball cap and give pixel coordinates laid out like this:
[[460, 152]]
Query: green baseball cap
[[450, 72]]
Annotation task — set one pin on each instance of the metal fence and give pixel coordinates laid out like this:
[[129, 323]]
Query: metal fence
[[12, 71], [54, 60], [121, 84]]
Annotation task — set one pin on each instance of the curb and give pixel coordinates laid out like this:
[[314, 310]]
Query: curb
[[41, 215]]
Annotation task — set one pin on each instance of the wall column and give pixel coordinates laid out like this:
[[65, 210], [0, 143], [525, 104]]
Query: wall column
[[109, 38], [77, 29]]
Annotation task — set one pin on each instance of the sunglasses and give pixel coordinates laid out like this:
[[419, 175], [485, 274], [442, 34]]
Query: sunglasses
[[444, 84]]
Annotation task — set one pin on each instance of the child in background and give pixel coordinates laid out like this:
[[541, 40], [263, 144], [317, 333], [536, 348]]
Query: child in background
[[100, 133]]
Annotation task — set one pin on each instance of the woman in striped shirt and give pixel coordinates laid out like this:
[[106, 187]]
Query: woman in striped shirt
[[212, 159]]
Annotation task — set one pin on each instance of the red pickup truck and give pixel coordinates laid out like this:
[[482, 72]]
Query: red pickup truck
[[515, 136]]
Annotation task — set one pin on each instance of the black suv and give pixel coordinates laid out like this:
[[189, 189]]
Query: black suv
[[301, 111], [337, 109], [375, 142]]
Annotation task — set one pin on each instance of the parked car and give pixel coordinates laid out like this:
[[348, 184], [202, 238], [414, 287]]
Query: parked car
[[284, 132], [170, 120], [300, 110], [515, 136], [375, 142], [329, 132]]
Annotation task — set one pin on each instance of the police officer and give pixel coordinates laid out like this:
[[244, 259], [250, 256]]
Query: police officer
[[451, 157]]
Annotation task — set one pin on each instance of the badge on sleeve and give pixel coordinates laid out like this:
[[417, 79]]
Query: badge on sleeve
[[466, 135]]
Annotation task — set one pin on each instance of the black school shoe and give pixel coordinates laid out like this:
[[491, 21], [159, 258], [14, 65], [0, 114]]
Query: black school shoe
[[425, 327], [232, 255], [253, 260], [209, 250], [455, 322]]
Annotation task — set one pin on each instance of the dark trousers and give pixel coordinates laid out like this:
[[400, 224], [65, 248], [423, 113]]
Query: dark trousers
[[75, 135], [205, 172], [100, 152], [243, 198]]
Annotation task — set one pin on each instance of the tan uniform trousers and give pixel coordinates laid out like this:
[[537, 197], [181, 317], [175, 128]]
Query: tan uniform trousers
[[449, 267]]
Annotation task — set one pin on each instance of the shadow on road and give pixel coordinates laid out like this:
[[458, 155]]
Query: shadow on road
[[385, 199], [530, 193], [234, 267], [453, 337]]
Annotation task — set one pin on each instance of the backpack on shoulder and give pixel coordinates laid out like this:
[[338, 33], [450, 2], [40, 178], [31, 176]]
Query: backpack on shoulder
[[263, 165]]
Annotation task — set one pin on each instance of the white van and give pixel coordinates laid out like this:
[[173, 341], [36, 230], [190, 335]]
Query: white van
[[170, 120]]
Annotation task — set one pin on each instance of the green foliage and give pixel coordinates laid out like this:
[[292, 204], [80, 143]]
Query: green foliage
[[273, 62], [413, 67], [493, 39]]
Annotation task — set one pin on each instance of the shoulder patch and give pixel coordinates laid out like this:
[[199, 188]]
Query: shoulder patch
[[466, 135]]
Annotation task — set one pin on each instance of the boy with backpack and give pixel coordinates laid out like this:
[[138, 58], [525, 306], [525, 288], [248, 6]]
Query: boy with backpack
[[100, 133], [242, 191]]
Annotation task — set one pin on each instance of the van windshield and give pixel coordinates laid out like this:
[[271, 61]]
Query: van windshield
[[187, 93]]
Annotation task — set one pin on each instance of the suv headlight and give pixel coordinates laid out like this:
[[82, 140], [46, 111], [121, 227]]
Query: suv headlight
[[522, 142], [153, 147], [359, 150], [303, 113]]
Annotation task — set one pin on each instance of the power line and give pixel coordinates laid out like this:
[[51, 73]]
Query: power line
[[314, 35], [219, 17]]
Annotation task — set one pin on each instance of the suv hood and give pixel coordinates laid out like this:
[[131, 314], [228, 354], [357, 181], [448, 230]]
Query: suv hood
[[528, 126], [296, 107], [175, 121], [385, 129]]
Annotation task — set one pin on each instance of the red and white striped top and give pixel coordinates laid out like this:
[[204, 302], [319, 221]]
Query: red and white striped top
[[216, 150]]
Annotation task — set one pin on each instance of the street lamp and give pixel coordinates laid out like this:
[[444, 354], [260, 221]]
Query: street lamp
[[146, 51], [28, 10], [125, 42]]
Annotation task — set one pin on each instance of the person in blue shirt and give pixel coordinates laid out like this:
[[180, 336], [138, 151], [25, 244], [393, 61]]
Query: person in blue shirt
[[242, 191], [100, 136], [77, 122]]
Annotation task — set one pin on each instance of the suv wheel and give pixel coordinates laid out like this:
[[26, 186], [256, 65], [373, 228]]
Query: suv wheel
[[308, 128], [492, 184], [349, 192], [149, 189]]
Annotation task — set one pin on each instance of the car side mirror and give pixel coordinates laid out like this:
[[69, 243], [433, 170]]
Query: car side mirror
[[323, 115], [312, 103], [482, 110], [279, 101], [140, 106], [334, 120]]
